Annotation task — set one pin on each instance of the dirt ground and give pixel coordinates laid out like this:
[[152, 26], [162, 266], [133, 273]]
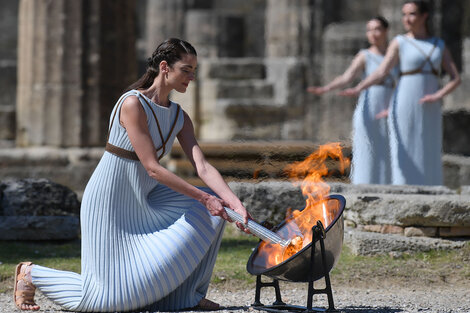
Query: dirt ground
[[375, 294]]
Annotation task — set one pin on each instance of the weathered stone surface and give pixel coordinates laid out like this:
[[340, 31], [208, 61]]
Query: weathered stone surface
[[7, 122], [69, 167], [420, 231], [8, 67], [368, 243], [341, 42], [250, 88], [455, 132], [38, 209], [269, 201], [37, 197], [397, 212], [66, 98], [225, 68], [288, 28], [390, 189], [454, 231], [465, 190], [409, 210], [456, 170], [39, 227], [384, 229], [169, 24]]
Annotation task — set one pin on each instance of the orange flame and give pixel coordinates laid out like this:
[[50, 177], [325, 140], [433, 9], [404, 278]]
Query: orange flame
[[298, 226]]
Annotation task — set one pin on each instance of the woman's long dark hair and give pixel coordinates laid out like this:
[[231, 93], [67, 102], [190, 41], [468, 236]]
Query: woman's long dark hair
[[171, 51]]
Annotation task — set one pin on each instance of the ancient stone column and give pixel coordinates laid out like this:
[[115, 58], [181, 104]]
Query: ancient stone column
[[8, 44], [164, 19], [341, 42], [74, 59], [289, 28]]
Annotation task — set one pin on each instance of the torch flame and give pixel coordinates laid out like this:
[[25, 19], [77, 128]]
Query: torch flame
[[298, 224]]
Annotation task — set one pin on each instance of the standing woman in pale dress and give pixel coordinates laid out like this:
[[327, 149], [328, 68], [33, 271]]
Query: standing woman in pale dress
[[149, 238], [370, 148], [415, 118]]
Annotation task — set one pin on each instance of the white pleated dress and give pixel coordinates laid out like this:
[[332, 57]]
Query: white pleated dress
[[370, 150], [144, 246], [416, 128]]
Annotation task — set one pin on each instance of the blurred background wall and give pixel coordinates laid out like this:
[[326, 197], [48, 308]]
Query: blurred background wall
[[64, 63]]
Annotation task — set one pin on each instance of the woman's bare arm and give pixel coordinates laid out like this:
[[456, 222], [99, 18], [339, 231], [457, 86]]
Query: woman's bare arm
[[390, 60], [206, 171], [134, 119], [449, 66], [356, 66]]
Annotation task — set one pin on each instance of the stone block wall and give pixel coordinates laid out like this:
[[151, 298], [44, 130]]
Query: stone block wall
[[412, 211], [341, 42], [38, 209], [287, 45]]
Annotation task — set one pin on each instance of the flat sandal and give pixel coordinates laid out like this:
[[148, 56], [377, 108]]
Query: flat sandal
[[21, 297]]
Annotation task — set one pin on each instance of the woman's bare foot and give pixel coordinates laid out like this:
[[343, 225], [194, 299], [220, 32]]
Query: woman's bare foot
[[207, 305], [24, 289]]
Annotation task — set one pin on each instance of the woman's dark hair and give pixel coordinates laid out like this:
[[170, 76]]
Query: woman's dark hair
[[423, 7], [382, 20], [171, 50]]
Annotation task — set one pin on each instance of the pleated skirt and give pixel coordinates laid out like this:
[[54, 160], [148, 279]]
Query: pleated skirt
[[416, 133], [143, 246], [370, 150]]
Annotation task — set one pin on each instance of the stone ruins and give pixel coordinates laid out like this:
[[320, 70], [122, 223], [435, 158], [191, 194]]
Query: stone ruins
[[64, 64]]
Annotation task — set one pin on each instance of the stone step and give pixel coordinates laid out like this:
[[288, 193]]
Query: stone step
[[407, 210], [232, 168], [232, 68], [252, 160], [250, 88], [253, 112], [277, 150]]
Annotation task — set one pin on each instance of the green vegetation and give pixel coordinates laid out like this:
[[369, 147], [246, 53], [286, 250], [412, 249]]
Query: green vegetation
[[233, 255], [431, 268], [59, 255], [418, 269]]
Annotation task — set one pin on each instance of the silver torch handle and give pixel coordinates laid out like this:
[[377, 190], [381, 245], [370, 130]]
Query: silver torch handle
[[256, 229]]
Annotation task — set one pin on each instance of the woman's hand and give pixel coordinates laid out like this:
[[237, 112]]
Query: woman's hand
[[430, 98], [381, 114], [350, 92], [240, 209], [215, 206], [317, 90]]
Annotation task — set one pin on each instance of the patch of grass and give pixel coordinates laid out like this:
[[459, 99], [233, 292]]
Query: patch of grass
[[58, 255], [234, 252], [431, 268], [417, 269], [231, 260]]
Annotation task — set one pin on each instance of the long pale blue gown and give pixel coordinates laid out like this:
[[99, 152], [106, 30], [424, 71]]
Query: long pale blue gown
[[143, 244], [416, 128], [370, 150]]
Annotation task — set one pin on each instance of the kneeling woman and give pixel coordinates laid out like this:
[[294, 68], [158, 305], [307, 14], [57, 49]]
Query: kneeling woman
[[149, 239]]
